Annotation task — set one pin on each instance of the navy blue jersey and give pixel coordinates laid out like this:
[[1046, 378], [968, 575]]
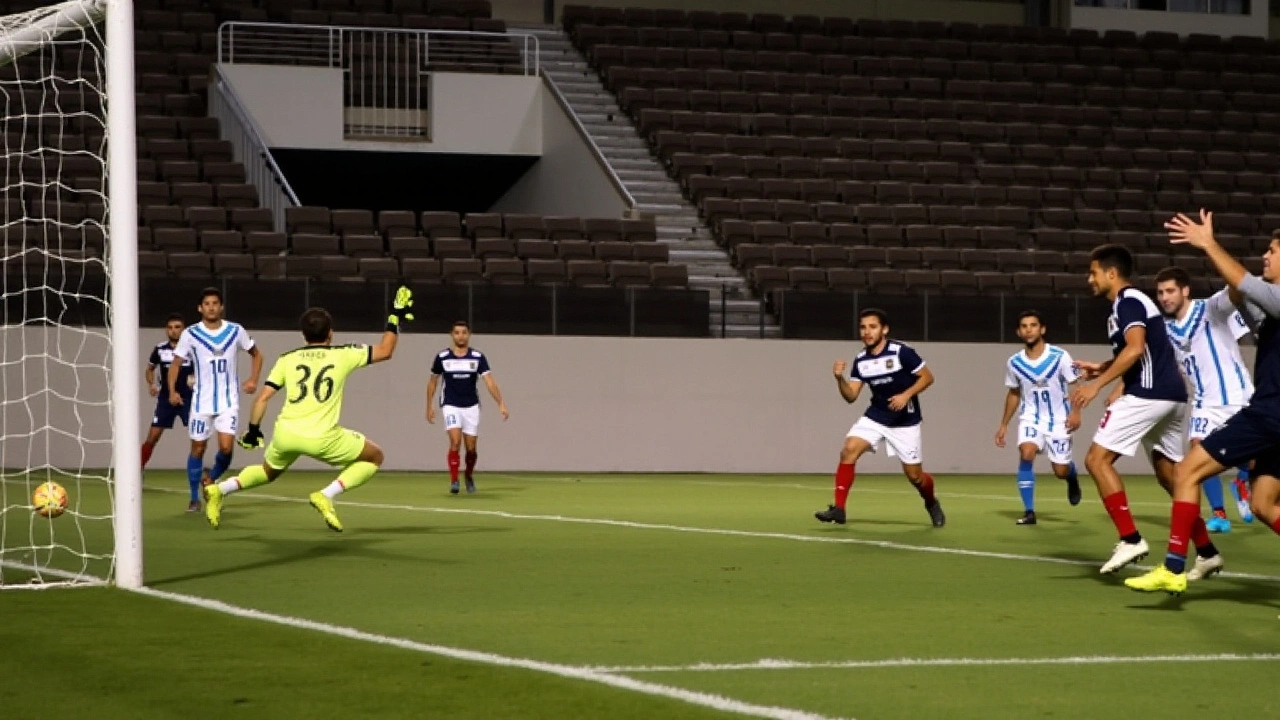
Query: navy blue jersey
[[161, 358], [888, 373], [1264, 301], [1155, 376], [460, 374]]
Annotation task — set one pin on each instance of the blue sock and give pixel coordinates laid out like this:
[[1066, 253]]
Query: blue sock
[[195, 467], [1071, 473], [1213, 492], [221, 462], [1027, 484], [1175, 563], [1242, 473]]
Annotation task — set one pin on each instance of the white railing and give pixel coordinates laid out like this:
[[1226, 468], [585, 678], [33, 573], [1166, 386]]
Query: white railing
[[386, 71], [250, 148]]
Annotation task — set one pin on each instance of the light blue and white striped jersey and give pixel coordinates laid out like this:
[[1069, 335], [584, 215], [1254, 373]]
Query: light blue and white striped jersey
[[212, 354], [1206, 340], [1043, 384]]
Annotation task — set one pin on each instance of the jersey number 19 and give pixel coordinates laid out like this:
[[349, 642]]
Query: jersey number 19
[[322, 388]]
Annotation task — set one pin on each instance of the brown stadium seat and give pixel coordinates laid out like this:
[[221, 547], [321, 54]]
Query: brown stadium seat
[[234, 265], [363, 246], [611, 250], [442, 224], [371, 268], [409, 246], [352, 222], [452, 248], [221, 241], [496, 247], [505, 271], [575, 250], [587, 273], [462, 270], [545, 271], [419, 269], [623, 273], [397, 223], [314, 244], [306, 219], [175, 240]]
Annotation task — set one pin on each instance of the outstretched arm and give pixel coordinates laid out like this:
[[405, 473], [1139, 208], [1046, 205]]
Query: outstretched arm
[[492, 384], [385, 348], [1135, 344]]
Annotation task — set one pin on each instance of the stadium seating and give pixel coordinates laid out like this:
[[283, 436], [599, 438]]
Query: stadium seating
[[897, 156]]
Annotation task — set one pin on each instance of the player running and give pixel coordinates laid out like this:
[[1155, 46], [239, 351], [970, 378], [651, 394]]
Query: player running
[[897, 375], [209, 347], [1206, 334], [313, 378], [1038, 377], [1149, 413], [158, 385], [1252, 433], [461, 366]]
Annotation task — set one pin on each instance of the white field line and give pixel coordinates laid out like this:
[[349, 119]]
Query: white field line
[[883, 544], [768, 664], [716, 702], [69, 579]]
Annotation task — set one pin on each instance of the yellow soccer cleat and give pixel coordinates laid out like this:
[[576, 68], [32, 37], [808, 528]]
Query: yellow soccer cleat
[[1159, 579], [325, 507], [213, 504]]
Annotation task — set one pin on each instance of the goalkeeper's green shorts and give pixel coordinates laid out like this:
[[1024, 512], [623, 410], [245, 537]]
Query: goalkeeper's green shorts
[[338, 447]]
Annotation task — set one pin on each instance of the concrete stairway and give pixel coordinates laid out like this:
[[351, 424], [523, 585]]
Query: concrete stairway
[[735, 311]]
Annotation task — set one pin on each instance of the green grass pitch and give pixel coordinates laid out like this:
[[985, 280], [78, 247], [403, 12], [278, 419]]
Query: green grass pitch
[[722, 587]]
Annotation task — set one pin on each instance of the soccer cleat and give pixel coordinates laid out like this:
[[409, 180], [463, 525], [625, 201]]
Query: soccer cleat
[[1160, 579], [1125, 554], [936, 515], [1027, 519], [831, 514], [453, 487], [325, 507], [213, 504], [1205, 567], [193, 506], [1073, 491], [471, 486], [1240, 491], [1218, 524]]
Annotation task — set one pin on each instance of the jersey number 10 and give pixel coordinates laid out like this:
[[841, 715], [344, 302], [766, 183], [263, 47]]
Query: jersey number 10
[[218, 365], [322, 388]]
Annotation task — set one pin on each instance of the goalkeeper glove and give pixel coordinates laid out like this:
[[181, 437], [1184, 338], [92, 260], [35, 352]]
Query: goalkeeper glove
[[401, 309], [252, 438]]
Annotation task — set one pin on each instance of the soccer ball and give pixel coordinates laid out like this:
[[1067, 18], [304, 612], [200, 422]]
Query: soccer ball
[[49, 500]]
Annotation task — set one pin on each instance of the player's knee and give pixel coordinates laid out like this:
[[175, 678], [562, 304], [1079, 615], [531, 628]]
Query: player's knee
[[372, 453], [849, 455], [198, 448]]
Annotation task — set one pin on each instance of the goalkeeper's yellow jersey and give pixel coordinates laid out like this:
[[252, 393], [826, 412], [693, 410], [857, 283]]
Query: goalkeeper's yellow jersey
[[312, 379]]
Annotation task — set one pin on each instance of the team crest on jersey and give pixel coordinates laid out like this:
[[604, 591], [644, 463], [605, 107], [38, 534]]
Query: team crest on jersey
[[889, 364], [1112, 326]]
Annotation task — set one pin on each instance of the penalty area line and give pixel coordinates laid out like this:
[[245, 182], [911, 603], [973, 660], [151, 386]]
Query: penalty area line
[[728, 532], [708, 700], [770, 664]]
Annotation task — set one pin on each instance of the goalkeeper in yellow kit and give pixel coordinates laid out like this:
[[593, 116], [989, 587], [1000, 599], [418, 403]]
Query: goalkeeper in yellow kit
[[312, 378]]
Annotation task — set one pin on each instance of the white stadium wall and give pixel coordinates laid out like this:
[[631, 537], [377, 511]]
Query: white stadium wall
[[568, 179], [469, 113], [578, 404]]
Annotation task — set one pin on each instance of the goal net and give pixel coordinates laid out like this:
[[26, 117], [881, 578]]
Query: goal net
[[56, 292]]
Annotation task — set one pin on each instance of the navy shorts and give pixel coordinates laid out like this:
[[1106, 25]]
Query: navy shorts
[[165, 413], [1247, 435]]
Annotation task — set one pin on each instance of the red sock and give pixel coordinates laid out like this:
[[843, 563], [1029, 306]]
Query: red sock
[[1200, 533], [925, 488], [1275, 526], [844, 483], [1117, 505], [1181, 526], [453, 466], [471, 463], [146, 453]]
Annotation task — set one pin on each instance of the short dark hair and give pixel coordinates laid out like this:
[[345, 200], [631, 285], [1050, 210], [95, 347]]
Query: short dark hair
[[1030, 313], [1114, 257], [877, 313], [1176, 274], [175, 316], [316, 324], [460, 323], [211, 292]]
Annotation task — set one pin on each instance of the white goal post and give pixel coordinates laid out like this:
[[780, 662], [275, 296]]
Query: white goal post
[[59, 70]]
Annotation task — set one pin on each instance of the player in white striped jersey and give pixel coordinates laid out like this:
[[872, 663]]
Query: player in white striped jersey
[[210, 347], [1039, 379], [1205, 334]]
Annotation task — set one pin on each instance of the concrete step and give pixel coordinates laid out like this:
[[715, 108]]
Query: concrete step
[[646, 166], [698, 256], [656, 208], [747, 331]]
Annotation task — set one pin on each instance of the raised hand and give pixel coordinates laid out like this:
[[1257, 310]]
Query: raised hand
[[1185, 231], [839, 368], [401, 307]]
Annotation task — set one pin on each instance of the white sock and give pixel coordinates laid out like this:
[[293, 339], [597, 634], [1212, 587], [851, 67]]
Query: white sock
[[230, 485], [334, 489]]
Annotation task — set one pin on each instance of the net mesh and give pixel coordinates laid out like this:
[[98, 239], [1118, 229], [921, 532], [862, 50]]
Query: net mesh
[[55, 420]]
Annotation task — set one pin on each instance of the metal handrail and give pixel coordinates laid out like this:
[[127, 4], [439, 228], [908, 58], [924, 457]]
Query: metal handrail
[[223, 90], [591, 143]]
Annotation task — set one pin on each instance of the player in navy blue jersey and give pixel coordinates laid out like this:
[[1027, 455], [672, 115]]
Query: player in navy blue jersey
[[165, 413], [1253, 433], [461, 366], [897, 375], [1150, 412]]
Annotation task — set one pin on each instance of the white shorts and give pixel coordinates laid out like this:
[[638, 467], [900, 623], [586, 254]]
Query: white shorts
[[1055, 446], [201, 427], [467, 418], [1154, 424], [1206, 420], [901, 441]]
